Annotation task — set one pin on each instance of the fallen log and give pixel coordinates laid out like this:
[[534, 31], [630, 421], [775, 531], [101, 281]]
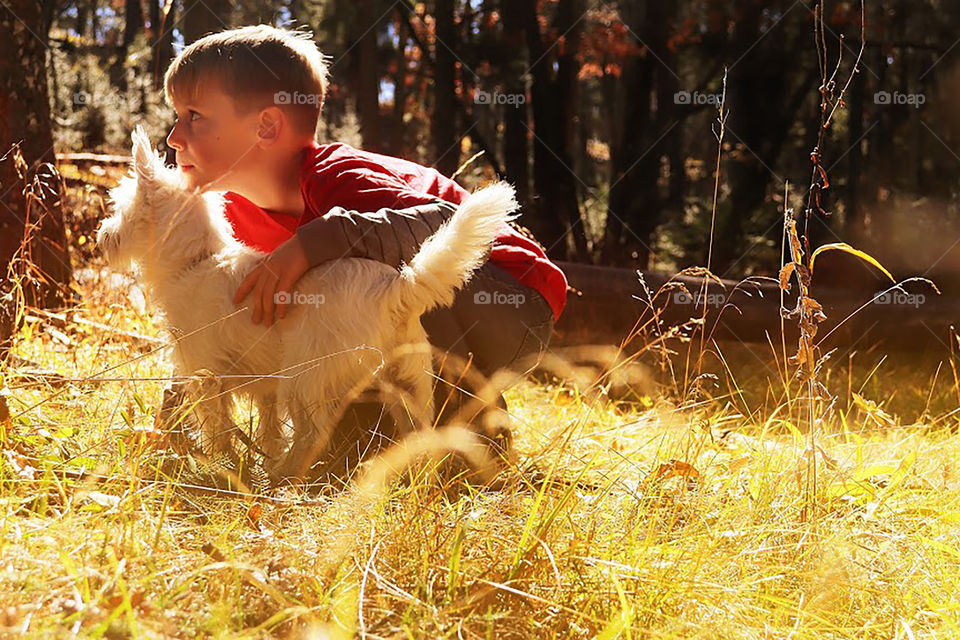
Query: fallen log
[[94, 158], [607, 302]]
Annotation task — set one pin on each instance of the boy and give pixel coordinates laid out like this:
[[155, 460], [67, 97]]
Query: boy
[[247, 102]]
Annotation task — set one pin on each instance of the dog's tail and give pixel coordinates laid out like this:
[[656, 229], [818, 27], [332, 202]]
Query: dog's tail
[[448, 258]]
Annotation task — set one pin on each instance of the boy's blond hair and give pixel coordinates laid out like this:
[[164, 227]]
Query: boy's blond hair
[[259, 66]]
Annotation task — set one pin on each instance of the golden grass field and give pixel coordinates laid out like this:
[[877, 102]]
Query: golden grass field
[[654, 518]]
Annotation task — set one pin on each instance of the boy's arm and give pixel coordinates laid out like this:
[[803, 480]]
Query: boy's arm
[[391, 236]]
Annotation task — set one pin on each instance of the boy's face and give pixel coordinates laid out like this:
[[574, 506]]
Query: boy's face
[[216, 145]]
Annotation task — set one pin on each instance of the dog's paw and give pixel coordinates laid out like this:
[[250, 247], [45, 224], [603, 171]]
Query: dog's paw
[[279, 473], [273, 449]]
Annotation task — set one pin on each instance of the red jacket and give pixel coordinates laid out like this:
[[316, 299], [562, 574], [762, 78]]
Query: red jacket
[[337, 174]]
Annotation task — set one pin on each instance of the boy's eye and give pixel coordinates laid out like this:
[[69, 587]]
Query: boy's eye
[[193, 115]]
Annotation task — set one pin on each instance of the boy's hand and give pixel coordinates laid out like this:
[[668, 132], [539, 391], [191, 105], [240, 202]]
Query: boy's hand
[[276, 274]]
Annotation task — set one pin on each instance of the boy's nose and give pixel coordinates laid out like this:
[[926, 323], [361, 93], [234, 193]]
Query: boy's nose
[[173, 139]]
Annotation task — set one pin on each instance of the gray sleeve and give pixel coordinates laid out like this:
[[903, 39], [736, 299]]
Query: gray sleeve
[[391, 236]]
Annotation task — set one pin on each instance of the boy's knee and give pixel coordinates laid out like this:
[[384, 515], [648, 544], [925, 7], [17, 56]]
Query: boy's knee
[[508, 321]]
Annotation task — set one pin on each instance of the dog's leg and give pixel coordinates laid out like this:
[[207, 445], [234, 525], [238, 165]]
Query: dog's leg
[[213, 411], [409, 401], [312, 431], [270, 435], [364, 429]]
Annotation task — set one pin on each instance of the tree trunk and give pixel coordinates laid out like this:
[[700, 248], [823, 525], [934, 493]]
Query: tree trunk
[[766, 88], [366, 80], [161, 38], [516, 147], [33, 246], [635, 202], [853, 224], [133, 22], [398, 129], [557, 220], [750, 104], [82, 22], [203, 17], [443, 130], [568, 71]]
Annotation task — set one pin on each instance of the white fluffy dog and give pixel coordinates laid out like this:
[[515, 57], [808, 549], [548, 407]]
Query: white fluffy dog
[[360, 324]]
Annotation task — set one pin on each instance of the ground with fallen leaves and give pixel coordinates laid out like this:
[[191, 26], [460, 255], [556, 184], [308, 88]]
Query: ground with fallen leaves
[[653, 518]]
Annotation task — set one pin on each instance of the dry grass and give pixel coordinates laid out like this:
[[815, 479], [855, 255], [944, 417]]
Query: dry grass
[[688, 522]]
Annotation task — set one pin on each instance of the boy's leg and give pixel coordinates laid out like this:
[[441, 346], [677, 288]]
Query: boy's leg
[[495, 323], [510, 323]]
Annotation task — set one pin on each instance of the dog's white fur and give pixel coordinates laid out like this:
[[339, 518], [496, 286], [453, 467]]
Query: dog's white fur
[[367, 327]]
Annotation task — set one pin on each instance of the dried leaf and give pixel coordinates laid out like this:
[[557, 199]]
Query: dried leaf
[[796, 252], [6, 426], [10, 617], [253, 515], [785, 274], [813, 308], [673, 468], [213, 552], [136, 600], [739, 463]]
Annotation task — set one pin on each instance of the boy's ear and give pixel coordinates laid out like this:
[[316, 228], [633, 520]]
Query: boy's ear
[[270, 124], [144, 160]]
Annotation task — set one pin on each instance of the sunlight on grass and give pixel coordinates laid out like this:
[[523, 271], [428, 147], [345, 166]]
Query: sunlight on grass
[[649, 519]]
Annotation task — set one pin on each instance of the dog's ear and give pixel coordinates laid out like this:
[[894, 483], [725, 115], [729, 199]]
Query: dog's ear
[[144, 159]]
